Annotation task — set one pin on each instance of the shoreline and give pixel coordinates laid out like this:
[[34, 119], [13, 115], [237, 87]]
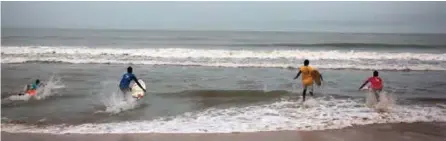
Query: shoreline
[[383, 132]]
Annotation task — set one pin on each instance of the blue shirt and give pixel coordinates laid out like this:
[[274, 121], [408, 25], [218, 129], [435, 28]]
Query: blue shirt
[[34, 86], [126, 79]]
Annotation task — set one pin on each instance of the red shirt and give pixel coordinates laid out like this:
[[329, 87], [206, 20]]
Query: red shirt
[[376, 82]]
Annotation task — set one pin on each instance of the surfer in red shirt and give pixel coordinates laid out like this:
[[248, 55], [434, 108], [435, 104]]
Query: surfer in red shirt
[[376, 84]]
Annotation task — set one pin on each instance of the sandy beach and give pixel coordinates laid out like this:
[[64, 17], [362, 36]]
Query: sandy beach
[[432, 131]]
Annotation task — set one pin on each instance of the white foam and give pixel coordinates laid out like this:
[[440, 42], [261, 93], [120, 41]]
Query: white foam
[[24, 97], [310, 102], [228, 58], [329, 113], [221, 53]]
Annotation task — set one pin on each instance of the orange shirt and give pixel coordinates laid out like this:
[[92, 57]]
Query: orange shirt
[[307, 79]]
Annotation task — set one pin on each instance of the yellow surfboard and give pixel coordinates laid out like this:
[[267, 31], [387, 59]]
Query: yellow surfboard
[[316, 77]]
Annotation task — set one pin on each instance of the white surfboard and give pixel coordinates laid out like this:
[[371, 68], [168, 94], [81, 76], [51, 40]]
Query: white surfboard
[[137, 92]]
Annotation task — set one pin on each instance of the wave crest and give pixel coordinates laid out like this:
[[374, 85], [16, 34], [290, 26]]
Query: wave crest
[[282, 58]]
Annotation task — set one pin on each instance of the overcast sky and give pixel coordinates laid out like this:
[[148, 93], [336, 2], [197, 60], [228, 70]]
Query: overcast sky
[[418, 17]]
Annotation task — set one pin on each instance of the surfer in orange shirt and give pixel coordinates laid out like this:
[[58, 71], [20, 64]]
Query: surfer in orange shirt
[[307, 78]]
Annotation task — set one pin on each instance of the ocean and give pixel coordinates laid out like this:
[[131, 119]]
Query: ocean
[[215, 81]]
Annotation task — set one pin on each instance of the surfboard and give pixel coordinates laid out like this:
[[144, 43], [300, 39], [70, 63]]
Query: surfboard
[[316, 77], [137, 92]]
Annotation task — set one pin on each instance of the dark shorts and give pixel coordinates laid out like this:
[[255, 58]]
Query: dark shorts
[[376, 92], [309, 88], [125, 90]]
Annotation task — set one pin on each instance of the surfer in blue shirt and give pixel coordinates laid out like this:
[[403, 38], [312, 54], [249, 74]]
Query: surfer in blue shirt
[[124, 85], [35, 85]]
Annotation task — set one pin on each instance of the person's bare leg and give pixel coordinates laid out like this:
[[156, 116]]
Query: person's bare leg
[[311, 90], [124, 93]]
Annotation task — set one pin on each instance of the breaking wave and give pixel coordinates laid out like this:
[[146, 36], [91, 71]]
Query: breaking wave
[[279, 58]]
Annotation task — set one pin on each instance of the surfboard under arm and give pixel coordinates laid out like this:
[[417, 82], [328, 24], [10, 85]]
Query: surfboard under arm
[[316, 77], [137, 92]]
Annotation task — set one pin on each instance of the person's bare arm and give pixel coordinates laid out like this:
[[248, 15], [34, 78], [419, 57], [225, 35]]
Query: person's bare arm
[[298, 74], [367, 81], [136, 80]]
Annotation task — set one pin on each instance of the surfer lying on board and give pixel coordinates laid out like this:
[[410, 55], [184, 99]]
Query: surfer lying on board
[[376, 84], [307, 78], [31, 89], [124, 85]]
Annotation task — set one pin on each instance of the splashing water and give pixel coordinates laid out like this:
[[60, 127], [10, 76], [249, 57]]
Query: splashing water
[[54, 82], [310, 102], [113, 99], [384, 104], [46, 91]]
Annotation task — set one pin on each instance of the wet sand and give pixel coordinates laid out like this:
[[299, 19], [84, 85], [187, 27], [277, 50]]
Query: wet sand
[[432, 131]]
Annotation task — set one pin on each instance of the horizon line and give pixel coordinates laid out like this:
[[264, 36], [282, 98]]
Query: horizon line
[[220, 30]]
